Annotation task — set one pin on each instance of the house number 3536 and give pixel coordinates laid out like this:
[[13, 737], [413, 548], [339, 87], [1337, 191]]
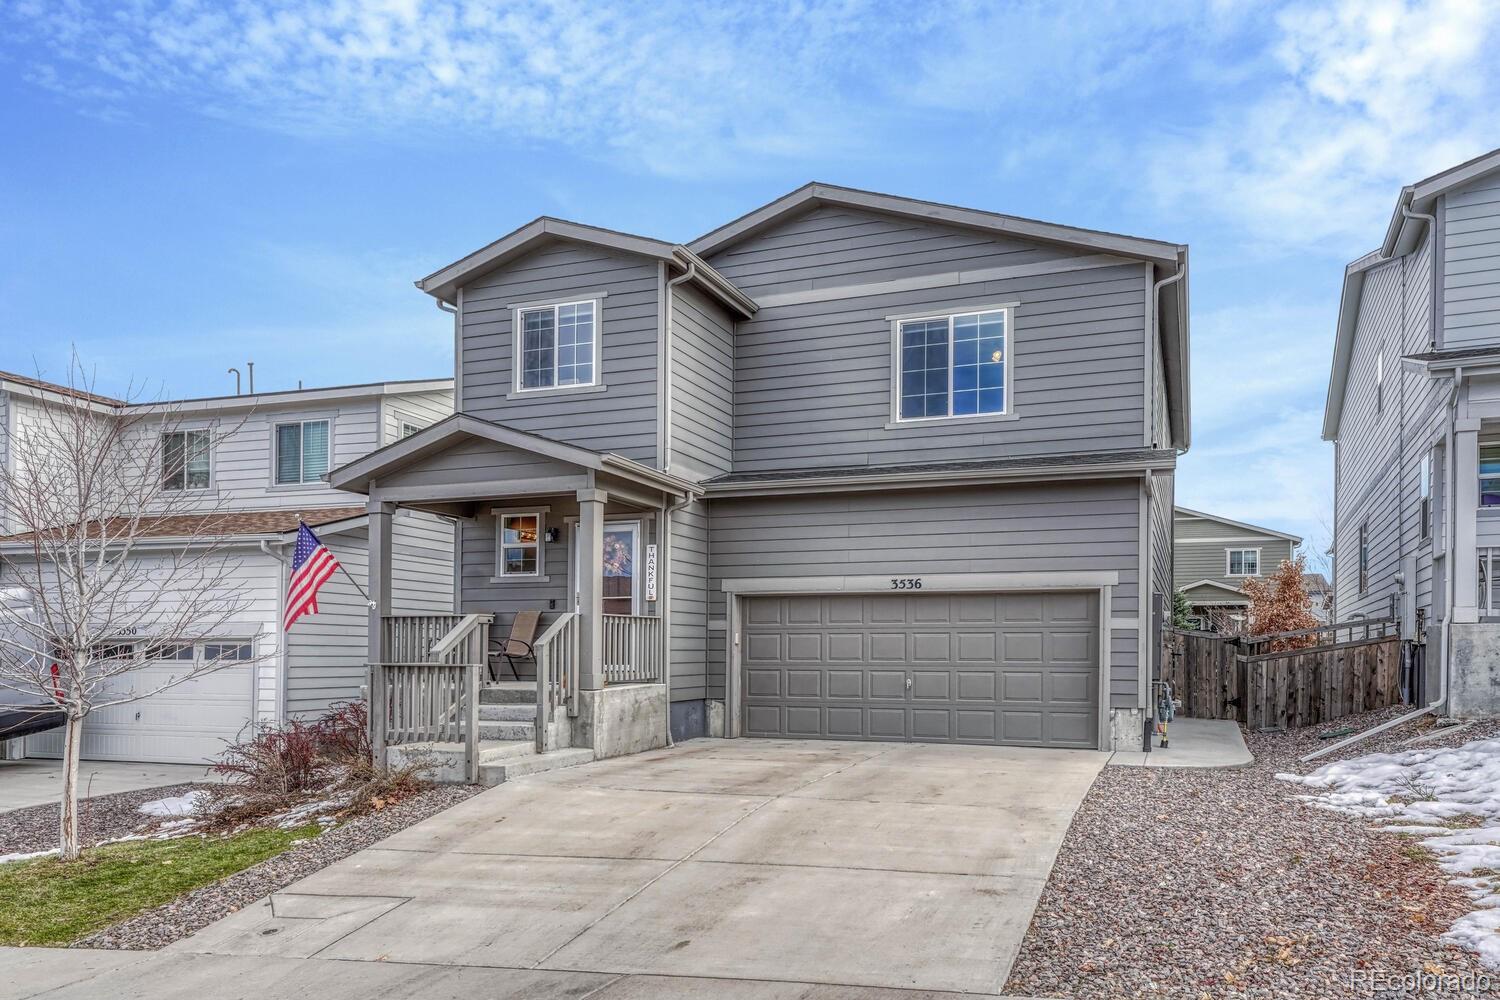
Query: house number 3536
[[906, 583]]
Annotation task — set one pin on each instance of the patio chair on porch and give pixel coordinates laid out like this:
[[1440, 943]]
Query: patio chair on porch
[[517, 645]]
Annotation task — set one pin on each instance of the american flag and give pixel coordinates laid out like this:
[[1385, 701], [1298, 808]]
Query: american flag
[[312, 565]]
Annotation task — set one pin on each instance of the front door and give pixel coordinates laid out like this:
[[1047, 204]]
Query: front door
[[622, 549]]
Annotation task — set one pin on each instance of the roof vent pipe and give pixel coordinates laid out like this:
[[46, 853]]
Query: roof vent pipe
[[251, 366], [236, 373]]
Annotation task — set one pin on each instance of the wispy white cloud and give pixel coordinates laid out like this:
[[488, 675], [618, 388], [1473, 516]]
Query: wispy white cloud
[[1349, 101]]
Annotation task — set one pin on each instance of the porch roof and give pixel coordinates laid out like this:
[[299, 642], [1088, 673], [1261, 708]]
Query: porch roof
[[447, 462], [1219, 593]]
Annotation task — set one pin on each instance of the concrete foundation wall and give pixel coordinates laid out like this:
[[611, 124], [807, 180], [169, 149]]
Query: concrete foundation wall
[[1126, 727], [627, 719], [1474, 682], [689, 719]]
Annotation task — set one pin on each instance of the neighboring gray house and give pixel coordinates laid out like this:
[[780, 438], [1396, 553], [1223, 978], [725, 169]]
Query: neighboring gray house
[[904, 470], [1414, 413], [1214, 556], [262, 463]]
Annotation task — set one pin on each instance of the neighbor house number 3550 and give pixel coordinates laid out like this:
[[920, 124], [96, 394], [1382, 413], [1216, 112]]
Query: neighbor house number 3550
[[906, 583]]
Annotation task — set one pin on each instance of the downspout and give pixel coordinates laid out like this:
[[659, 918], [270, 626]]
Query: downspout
[[666, 457], [1448, 527], [664, 604], [282, 664], [458, 366]]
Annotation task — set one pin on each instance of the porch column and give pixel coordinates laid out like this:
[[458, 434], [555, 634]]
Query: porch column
[[380, 514], [1465, 553], [591, 589]]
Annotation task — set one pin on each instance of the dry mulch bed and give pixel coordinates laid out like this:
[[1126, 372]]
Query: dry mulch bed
[[1220, 883], [201, 907], [103, 817]]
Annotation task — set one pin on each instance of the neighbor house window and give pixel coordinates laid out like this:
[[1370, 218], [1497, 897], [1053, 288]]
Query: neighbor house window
[[184, 460], [1424, 492], [952, 366], [408, 428], [1244, 562], [1364, 557], [301, 451], [558, 345], [520, 545], [1489, 474], [227, 651]]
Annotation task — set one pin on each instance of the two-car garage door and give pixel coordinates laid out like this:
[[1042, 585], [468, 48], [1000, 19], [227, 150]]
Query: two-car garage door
[[1018, 669]]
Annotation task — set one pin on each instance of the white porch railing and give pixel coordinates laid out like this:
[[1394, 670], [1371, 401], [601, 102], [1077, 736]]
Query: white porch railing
[[1485, 598], [556, 676], [632, 649], [426, 686]]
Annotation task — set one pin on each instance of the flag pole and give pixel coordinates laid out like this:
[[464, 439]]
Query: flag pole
[[303, 524]]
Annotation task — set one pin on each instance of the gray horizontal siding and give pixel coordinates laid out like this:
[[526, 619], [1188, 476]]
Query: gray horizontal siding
[[476, 461], [326, 653], [813, 379], [1034, 528], [1162, 536], [702, 385], [1206, 560], [689, 574], [1471, 253], [622, 419], [421, 408]]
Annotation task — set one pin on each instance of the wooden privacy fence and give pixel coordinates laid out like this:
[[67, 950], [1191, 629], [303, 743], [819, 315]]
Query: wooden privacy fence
[[1352, 667]]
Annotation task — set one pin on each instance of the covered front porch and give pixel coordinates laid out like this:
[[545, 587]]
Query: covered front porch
[[572, 540]]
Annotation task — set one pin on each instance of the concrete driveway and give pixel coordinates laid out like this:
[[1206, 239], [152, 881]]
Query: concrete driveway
[[859, 866]]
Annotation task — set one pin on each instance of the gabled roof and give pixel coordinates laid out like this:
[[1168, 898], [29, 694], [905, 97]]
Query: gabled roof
[[443, 284], [357, 475], [1294, 539], [1413, 208], [816, 193], [1166, 259], [1235, 596]]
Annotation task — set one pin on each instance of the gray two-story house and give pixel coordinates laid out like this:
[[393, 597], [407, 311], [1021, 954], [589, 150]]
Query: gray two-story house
[[851, 466], [1413, 411], [249, 467], [1215, 555]]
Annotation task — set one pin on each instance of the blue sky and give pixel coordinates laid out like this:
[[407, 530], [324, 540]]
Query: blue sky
[[188, 185]]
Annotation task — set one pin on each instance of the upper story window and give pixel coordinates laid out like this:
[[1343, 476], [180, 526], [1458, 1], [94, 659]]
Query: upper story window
[[408, 429], [184, 460], [301, 451], [1242, 562], [558, 346], [953, 366], [1489, 473], [1364, 557]]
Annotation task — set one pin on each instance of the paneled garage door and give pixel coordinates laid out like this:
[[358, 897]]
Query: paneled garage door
[[1019, 669], [186, 724]]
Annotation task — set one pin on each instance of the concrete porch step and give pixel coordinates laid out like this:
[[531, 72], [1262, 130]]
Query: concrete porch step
[[507, 713], [497, 772], [507, 731], [508, 693]]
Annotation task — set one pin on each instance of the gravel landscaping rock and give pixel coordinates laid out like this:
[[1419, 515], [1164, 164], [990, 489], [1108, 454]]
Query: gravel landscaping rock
[[1221, 883], [104, 817], [160, 927]]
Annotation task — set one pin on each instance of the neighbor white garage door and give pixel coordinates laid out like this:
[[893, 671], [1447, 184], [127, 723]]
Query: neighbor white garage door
[[187, 724]]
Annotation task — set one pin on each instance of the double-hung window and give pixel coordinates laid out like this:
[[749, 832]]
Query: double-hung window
[[184, 460], [953, 366], [558, 346], [1244, 562], [520, 547], [1489, 473], [301, 451]]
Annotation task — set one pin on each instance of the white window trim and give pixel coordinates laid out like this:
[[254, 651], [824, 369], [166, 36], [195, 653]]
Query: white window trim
[[1009, 413], [212, 472], [596, 384], [283, 420], [1228, 561], [500, 514]]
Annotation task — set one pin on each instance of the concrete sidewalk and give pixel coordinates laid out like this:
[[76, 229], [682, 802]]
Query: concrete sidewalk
[[744, 869], [1193, 743], [35, 782]]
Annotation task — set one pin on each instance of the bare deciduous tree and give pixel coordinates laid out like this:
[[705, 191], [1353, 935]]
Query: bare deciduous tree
[[114, 561]]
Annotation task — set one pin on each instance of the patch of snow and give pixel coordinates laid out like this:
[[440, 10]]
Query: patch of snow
[[177, 805], [1413, 792], [8, 858]]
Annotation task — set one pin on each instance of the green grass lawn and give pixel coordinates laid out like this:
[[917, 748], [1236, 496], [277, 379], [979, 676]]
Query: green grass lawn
[[46, 902]]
